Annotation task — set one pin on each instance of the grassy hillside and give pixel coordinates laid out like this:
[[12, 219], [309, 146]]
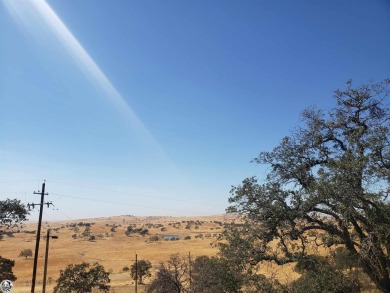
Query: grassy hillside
[[112, 247]]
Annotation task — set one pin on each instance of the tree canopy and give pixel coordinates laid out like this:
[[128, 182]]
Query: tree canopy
[[6, 272], [142, 268], [12, 211], [212, 274], [328, 184], [83, 278], [26, 253], [320, 275], [172, 276]]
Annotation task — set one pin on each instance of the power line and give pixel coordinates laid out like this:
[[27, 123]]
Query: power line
[[19, 181], [129, 194], [136, 195], [120, 203]]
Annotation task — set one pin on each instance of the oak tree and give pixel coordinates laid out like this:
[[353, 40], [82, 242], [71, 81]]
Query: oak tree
[[12, 211], [83, 278], [141, 270], [328, 183], [26, 253], [320, 275], [212, 274], [172, 276], [6, 272]]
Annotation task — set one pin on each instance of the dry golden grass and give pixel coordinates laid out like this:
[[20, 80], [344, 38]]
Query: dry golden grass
[[114, 250]]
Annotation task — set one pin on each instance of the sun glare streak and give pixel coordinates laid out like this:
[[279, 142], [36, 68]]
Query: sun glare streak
[[19, 9]]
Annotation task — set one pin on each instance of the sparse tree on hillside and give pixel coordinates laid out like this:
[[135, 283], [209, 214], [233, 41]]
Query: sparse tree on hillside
[[144, 232], [6, 266], [330, 176], [172, 276], [143, 270], [83, 278], [26, 253], [12, 211], [87, 232]]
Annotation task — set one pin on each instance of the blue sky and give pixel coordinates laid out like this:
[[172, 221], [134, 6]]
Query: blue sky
[[157, 107]]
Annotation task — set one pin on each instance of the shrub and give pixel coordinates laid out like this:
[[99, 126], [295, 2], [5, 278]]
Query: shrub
[[26, 253], [83, 278], [154, 238]]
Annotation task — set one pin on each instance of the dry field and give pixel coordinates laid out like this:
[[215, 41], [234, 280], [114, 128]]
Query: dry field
[[112, 248]]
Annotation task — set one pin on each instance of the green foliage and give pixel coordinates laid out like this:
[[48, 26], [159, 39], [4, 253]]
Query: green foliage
[[144, 232], [86, 232], [212, 275], [254, 283], [311, 263], [130, 230], [344, 259], [12, 211], [26, 253], [142, 268], [330, 176], [6, 266], [318, 275], [83, 278]]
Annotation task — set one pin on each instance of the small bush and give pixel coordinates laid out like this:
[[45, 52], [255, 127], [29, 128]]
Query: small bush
[[154, 238], [144, 232]]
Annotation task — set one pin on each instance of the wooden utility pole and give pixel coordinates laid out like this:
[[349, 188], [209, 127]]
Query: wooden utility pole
[[46, 258], [189, 265], [136, 273], [42, 193], [41, 204]]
